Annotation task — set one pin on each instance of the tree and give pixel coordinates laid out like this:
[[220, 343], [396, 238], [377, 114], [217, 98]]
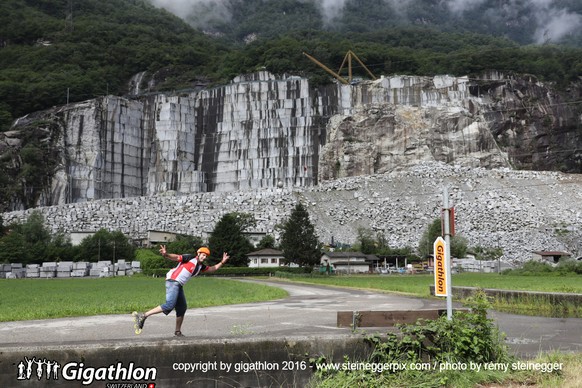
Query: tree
[[228, 236], [36, 237], [5, 117], [434, 230], [105, 245], [266, 242], [299, 242], [425, 245], [60, 248], [13, 248], [26, 243], [185, 244], [366, 241]]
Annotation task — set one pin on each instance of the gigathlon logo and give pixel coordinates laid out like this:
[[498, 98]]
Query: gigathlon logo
[[116, 375]]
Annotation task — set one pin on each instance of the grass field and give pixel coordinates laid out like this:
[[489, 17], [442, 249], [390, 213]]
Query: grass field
[[24, 299], [419, 284]]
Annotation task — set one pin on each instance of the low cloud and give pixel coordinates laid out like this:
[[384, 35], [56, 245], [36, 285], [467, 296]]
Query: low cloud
[[460, 6], [555, 24], [198, 13], [552, 22]]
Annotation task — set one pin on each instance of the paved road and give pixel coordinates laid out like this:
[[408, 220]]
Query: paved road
[[309, 310]]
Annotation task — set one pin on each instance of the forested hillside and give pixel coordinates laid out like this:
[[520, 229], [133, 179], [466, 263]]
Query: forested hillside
[[58, 51], [523, 21]]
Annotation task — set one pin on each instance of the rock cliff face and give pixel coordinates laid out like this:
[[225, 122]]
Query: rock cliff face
[[374, 154], [256, 132], [264, 132], [499, 122]]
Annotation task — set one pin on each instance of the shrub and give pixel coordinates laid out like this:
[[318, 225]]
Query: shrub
[[155, 265], [248, 271], [531, 267], [569, 267], [469, 337], [152, 263]]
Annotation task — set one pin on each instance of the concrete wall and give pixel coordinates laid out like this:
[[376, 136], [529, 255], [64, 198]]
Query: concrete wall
[[169, 356]]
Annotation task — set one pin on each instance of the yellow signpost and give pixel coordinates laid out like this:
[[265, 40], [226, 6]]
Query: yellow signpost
[[440, 268]]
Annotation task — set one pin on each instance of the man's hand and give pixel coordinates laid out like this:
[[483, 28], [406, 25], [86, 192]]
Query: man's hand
[[163, 250], [225, 258]]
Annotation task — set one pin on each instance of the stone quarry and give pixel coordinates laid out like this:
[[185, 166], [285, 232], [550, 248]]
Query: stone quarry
[[260, 131], [518, 211], [375, 154]]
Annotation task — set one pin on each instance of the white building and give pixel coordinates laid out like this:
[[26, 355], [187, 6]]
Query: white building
[[266, 258], [349, 262]]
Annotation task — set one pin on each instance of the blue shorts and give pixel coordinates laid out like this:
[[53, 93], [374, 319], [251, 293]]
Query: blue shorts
[[175, 299]]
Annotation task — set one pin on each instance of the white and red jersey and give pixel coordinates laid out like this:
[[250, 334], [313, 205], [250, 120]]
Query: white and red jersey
[[188, 266]]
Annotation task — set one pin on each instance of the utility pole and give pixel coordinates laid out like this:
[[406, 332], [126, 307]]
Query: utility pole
[[447, 235], [114, 258]]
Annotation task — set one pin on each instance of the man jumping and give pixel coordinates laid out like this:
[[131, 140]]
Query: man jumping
[[188, 266]]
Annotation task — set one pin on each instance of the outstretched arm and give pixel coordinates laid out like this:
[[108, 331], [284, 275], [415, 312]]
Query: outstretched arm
[[171, 256], [215, 267]]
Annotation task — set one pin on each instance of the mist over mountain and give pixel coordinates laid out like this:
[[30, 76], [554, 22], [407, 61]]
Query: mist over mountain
[[54, 52], [524, 21]]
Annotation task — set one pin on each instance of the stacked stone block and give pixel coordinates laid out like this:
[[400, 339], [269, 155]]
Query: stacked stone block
[[80, 269], [48, 270], [32, 271], [12, 271], [136, 267], [4, 269], [120, 268], [64, 269], [473, 265], [102, 269]]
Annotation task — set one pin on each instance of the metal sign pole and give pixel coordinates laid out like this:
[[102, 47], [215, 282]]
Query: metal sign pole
[[447, 235]]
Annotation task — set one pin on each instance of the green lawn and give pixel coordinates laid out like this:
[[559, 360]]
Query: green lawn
[[419, 284], [24, 299]]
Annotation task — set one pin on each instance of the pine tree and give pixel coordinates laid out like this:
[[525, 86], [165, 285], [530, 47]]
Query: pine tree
[[228, 236], [299, 242]]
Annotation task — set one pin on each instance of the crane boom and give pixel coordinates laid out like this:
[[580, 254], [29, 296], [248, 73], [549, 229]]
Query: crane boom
[[339, 77], [348, 58]]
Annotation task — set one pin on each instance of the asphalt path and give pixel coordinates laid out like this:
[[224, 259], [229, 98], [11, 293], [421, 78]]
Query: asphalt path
[[309, 310]]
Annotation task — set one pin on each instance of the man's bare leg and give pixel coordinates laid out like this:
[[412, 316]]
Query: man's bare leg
[[179, 321], [155, 310]]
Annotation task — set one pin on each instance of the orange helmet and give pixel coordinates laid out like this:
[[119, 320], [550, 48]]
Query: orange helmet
[[204, 250]]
